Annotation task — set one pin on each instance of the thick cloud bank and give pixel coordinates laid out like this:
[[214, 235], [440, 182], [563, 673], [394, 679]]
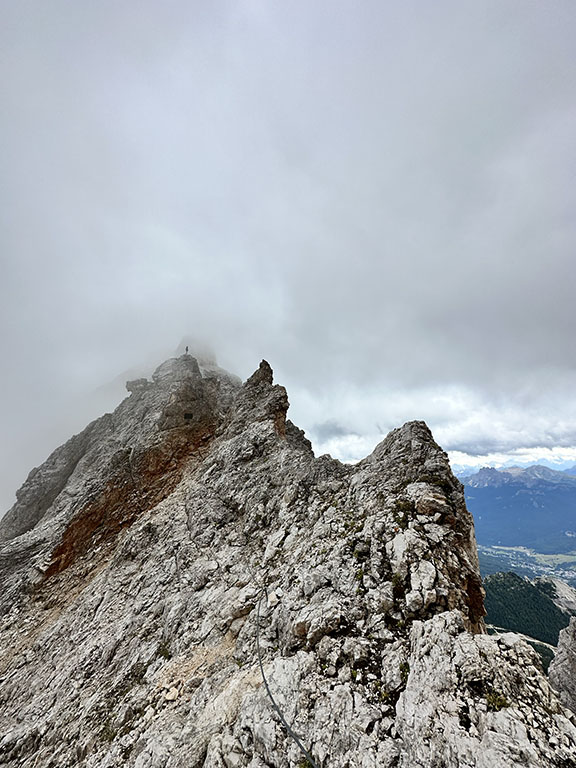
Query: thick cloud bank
[[376, 197]]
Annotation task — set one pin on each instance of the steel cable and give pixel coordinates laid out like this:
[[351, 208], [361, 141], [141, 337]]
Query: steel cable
[[289, 730]]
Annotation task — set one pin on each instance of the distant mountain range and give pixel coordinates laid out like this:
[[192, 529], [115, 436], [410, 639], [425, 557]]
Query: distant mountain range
[[532, 507], [528, 477]]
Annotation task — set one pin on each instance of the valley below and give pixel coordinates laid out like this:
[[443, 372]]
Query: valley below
[[527, 562]]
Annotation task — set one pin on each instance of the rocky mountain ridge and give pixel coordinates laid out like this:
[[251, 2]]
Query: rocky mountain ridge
[[562, 594], [149, 558]]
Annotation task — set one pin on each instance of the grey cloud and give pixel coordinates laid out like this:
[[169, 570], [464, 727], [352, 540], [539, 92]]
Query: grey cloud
[[327, 430], [495, 444], [376, 198]]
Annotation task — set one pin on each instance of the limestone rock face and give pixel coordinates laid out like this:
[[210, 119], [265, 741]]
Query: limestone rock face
[[563, 666], [150, 556]]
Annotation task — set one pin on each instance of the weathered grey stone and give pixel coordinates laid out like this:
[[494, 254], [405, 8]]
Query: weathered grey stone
[[145, 559], [562, 670]]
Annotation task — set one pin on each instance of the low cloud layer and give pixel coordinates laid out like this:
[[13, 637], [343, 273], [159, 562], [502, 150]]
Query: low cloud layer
[[378, 199]]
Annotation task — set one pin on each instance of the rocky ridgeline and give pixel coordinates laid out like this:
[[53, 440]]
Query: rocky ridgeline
[[147, 559]]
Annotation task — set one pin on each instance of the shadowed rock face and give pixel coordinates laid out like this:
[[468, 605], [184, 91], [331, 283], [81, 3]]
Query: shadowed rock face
[[135, 559], [563, 666]]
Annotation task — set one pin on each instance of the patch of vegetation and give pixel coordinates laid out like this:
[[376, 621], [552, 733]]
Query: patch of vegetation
[[384, 696], [515, 604], [404, 672], [305, 763], [351, 526], [163, 651], [108, 732], [496, 701]]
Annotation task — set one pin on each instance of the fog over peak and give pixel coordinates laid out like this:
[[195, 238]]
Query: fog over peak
[[378, 199]]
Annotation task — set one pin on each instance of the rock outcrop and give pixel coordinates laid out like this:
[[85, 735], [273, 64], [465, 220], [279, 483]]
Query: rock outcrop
[[563, 666], [149, 558]]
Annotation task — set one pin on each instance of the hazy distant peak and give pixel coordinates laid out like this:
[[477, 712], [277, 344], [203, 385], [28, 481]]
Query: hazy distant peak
[[528, 476]]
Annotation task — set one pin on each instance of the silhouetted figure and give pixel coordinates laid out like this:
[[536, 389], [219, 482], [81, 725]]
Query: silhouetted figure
[[186, 348]]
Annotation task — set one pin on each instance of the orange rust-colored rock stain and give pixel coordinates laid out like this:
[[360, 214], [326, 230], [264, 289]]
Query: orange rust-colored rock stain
[[137, 484]]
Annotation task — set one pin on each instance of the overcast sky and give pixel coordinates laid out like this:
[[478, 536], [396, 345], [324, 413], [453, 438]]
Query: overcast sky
[[378, 197]]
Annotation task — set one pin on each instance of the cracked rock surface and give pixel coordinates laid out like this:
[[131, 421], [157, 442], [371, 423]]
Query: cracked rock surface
[[563, 666], [146, 558]]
